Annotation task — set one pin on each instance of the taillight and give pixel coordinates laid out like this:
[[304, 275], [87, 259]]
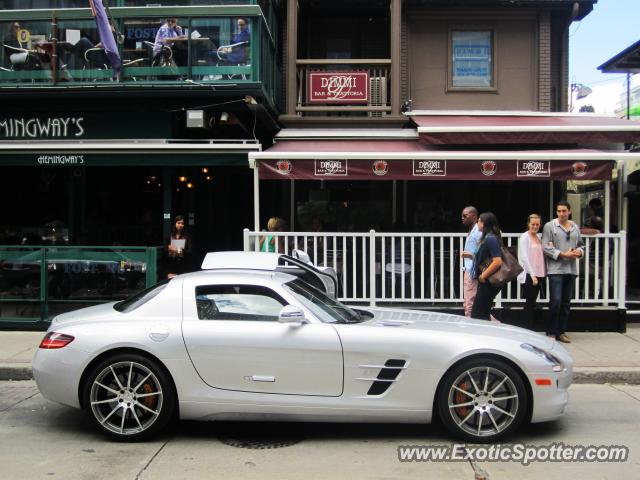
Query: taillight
[[56, 340]]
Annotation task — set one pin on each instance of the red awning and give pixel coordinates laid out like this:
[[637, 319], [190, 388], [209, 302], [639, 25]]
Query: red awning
[[534, 128], [366, 159]]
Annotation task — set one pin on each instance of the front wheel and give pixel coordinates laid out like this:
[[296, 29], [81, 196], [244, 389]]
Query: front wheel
[[129, 397], [482, 400]]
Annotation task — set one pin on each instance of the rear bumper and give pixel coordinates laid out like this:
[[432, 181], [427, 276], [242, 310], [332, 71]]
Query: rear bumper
[[57, 374]]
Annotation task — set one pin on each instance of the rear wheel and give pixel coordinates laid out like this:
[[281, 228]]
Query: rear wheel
[[129, 397], [482, 400]]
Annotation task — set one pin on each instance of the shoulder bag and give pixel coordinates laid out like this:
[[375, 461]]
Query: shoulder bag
[[508, 271]]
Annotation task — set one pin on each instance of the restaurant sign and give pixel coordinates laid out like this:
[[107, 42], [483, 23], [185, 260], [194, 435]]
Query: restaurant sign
[[429, 168], [88, 125], [330, 168], [41, 127], [338, 87], [534, 168]]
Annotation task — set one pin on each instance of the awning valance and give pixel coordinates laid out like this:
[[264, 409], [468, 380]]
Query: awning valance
[[523, 128], [412, 160], [125, 153]]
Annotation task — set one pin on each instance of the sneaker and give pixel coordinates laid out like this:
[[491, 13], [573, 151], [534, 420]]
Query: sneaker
[[564, 339]]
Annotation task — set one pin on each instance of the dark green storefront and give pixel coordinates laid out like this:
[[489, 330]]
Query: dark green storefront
[[88, 210]]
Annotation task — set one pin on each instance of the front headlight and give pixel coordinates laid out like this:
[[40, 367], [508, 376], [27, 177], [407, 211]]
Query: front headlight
[[557, 364]]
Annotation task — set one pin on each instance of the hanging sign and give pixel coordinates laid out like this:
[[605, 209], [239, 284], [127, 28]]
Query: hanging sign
[[338, 87]]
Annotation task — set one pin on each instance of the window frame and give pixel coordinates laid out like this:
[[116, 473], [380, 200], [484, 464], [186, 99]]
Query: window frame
[[452, 29]]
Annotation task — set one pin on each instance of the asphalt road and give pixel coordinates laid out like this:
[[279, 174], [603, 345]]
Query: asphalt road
[[40, 439]]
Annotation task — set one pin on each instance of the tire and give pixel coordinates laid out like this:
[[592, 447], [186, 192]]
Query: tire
[[129, 397], [482, 400]]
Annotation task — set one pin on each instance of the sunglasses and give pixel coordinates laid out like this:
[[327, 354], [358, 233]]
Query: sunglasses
[[568, 234]]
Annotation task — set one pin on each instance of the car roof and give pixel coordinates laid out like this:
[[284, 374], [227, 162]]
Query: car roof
[[242, 274]]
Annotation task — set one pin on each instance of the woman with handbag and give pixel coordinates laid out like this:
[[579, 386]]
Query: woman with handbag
[[487, 261], [531, 258]]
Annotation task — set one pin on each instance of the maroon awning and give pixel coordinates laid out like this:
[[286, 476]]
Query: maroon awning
[[454, 129], [412, 160]]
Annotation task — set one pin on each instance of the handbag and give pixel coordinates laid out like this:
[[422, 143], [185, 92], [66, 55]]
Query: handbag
[[508, 271]]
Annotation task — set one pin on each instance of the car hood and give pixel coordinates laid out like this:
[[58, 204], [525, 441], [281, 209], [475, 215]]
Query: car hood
[[444, 322], [104, 311]]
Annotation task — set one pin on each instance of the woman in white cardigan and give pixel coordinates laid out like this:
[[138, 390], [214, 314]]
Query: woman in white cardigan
[[531, 257]]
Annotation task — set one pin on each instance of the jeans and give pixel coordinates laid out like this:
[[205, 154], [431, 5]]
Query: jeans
[[530, 293], [560, 294], [484, 301]]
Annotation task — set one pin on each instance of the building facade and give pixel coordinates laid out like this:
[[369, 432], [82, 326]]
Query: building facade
[[94, 160], [350, 116]]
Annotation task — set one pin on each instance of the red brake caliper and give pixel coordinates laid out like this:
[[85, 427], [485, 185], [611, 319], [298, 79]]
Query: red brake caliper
[[460, 397]]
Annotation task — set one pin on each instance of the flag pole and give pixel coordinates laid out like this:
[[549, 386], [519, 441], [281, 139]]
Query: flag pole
[[54, 48], [112, 22]]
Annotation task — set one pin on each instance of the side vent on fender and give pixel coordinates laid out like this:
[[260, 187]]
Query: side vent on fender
[[387, 375]]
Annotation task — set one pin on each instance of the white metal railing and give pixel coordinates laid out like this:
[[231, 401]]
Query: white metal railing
[[425, 268]]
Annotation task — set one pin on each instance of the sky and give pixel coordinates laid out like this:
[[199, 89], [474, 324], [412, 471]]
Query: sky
[[611, 27]]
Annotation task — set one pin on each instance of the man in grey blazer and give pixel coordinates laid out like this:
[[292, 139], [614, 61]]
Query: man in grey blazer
[[563, 246]]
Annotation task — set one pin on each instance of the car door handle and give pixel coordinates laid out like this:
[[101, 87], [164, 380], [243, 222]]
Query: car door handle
[[262, 378]]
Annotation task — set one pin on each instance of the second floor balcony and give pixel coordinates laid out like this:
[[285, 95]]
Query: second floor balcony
[[158, 46]]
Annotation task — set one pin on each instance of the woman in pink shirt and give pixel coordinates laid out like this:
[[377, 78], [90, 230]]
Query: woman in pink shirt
[[531, 258]]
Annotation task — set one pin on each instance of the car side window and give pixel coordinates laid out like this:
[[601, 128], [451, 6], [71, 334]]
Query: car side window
[[238, 302]]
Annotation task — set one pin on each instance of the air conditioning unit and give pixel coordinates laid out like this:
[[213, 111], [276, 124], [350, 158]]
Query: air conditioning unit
[[377, 94]]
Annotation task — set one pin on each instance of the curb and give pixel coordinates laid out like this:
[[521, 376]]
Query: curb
[[630, 375], [22, 371], [19, 371]]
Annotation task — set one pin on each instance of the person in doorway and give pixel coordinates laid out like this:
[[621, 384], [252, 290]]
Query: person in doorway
[[178, 248], [470, 221], [272, 243], [563, 246], [487, 261], [531, 257]]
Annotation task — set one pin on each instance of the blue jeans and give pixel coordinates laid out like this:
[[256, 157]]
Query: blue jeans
[[560, 295]]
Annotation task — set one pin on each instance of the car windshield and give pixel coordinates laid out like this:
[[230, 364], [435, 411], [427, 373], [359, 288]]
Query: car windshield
[[140, 298], [325, 308]]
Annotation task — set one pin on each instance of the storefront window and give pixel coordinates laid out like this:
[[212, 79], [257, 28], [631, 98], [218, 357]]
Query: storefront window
[[472, 59]]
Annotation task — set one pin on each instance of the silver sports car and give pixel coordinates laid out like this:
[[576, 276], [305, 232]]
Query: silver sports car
[[260, 336]]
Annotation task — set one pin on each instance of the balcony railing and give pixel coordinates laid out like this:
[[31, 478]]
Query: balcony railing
[[379, 102], [208, 48], [423, 269]]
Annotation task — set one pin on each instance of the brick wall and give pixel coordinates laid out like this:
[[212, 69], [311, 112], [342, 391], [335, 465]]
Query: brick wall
[[544, 62]]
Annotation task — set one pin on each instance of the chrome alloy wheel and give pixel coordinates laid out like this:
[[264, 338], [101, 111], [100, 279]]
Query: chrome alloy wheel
[[483, 401], [126, 398]]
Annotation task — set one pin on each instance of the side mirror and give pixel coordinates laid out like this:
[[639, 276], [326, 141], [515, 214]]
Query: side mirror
[[291, 314]]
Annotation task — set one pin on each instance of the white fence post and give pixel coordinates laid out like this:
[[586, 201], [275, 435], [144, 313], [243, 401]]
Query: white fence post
[[622, 271], [245, 239], [372, 268]]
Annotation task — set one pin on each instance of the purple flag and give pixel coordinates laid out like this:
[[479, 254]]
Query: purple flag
[[106, 35]]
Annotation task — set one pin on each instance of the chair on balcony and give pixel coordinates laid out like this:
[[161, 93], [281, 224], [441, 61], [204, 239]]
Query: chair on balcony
[[236, 54], [21, 58], [162, 57], [96, 59]]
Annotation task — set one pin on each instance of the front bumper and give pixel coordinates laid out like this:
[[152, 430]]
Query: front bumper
[[550, 401]]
